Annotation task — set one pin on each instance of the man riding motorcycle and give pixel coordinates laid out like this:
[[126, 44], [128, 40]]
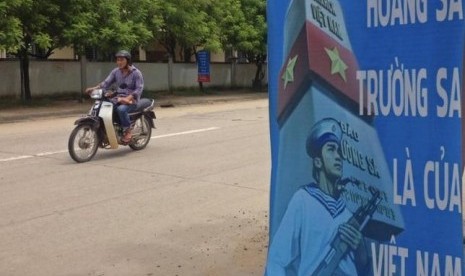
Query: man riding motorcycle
[[130, 83]]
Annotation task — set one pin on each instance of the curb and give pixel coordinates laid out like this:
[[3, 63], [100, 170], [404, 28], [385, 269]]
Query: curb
[[73, 108]]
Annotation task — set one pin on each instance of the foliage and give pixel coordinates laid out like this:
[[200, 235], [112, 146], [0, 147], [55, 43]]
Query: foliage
[[254, 42], [35, 23], [110, 25], [188, 25], [244, 29], [214, 25], [37, 27], [10, 26], [23, 22], [115, 24]]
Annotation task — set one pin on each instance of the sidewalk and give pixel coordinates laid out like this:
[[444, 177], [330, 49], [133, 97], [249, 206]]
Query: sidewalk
[[73, 108]]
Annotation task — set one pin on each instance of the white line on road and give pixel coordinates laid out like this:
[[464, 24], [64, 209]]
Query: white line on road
[[63, 151], [185, 132], [16, 158], [32, 156], [50, 153]]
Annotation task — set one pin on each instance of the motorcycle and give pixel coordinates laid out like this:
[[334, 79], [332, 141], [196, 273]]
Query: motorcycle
[[101, 128]]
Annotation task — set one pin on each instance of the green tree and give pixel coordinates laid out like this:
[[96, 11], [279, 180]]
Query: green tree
[[32, 25], [243, 25], [10, 26], [254, 44], [187, 26], [36, 31], [50, 24], [110, 24]]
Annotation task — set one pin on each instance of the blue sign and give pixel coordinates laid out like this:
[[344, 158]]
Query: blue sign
[[203, 65], [366, 120]]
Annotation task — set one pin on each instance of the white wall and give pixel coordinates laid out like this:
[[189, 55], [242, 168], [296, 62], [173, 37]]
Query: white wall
[[10, 78], [155, 75], [54, 77]]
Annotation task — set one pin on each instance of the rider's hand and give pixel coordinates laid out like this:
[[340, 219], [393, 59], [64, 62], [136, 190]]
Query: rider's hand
[[109, 94], [350, 235], [90, 89], [125, 100]]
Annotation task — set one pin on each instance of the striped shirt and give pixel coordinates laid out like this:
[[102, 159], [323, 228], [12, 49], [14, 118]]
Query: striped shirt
[[129, 84]]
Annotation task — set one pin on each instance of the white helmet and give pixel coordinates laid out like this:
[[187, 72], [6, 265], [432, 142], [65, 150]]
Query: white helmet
[[323, 131]]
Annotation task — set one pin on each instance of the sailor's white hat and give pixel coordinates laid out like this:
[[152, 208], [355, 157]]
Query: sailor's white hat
[[323, 131]]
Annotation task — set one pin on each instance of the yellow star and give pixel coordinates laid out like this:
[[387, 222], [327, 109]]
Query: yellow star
[[288, 75], [337, 64]]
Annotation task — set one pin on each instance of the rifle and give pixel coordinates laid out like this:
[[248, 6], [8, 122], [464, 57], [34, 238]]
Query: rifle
[[339, 248]]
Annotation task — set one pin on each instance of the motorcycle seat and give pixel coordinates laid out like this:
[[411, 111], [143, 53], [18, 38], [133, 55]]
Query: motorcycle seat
[[144, 104]]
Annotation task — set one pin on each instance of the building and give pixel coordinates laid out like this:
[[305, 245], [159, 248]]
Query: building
[[151, 53]]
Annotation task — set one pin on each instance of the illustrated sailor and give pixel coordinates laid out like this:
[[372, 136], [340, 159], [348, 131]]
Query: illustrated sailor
[[316, 213]]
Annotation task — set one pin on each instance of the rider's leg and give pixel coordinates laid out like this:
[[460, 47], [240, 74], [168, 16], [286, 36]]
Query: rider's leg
[[123, 114]]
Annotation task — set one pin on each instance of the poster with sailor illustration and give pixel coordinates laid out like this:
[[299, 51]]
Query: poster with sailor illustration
[[366, 133]]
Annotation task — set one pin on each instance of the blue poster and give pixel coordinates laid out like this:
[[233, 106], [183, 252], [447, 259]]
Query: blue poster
[[203, 66], [366, 133]]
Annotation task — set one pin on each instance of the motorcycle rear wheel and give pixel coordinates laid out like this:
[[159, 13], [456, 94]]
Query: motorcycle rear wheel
[[141, 134], [83, 143]]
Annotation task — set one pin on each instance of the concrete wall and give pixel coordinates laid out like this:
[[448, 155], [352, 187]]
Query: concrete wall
[[55, 77], [155, 75], [10, 79]]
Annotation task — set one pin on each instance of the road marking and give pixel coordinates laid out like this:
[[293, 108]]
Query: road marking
[[185, 132], [47, 153], [32, 156], [16, 158]]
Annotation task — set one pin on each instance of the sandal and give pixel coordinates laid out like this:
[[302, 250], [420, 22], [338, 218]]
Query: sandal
[[127, 136]]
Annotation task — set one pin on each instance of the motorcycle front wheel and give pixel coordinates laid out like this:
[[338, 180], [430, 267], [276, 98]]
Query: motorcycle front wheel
[[83, 143], [140, 134]]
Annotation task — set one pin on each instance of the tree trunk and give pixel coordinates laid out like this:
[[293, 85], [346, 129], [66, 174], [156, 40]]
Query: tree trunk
[[172, 53], [257, 82], [187, 54], [24, 71], [259, 74]]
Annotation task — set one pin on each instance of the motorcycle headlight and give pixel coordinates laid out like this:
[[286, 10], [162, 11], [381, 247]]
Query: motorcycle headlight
[[96, 94]]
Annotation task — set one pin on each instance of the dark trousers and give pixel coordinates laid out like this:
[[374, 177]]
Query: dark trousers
[[123, 111]]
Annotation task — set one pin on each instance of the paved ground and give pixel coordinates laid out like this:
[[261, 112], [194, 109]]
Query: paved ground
[[194, 202]]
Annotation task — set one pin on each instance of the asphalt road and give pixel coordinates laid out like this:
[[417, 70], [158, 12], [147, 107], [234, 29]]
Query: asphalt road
[[194, 202]]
